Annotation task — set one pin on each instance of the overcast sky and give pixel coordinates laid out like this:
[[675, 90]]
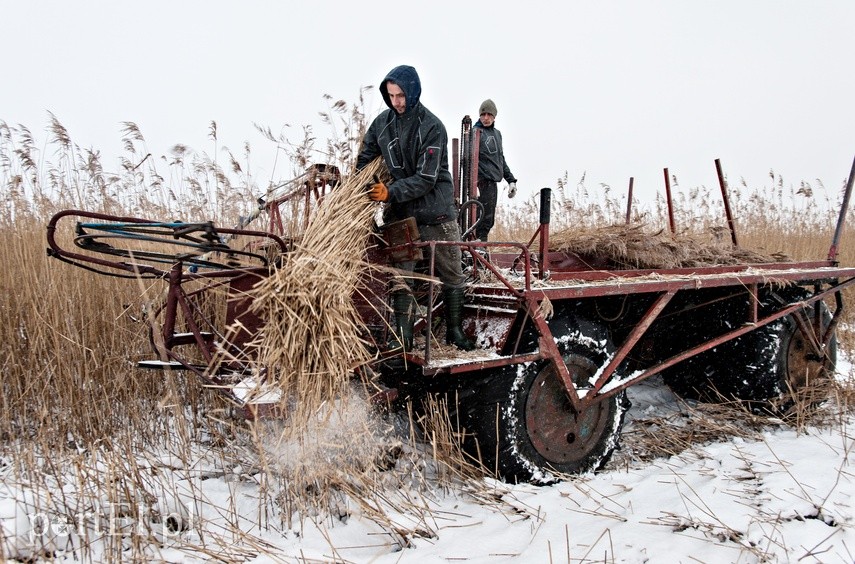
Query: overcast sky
[[609, 89]]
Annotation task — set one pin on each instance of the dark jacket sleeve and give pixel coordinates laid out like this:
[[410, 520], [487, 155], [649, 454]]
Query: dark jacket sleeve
[[370, 149], [506, 171]]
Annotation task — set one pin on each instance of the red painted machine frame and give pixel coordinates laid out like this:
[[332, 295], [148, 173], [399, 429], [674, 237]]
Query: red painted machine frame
[[525, 276]]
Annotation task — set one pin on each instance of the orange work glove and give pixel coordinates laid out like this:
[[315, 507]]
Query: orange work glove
[[378, 192]]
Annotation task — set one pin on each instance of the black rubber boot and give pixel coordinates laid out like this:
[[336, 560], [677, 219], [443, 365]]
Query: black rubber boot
[[454, 319], [404, 307]]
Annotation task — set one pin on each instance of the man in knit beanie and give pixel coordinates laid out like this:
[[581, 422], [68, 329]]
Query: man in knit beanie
[[492, 167]]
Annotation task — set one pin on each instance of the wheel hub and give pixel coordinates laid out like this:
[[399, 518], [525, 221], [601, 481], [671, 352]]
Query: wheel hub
[[803, 366], [558, 433]]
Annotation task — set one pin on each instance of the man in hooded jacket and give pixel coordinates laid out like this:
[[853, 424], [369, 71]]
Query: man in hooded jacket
[[414, 145]]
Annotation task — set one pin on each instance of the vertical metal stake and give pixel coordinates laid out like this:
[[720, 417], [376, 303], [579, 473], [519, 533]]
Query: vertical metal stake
[[730, 224]]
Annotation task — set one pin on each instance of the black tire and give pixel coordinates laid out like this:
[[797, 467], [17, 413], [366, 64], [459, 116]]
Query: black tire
[[704, 316], [523, 425], [762, 367], [779, 361]]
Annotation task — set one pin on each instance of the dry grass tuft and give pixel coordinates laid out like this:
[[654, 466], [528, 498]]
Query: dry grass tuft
[[441, 433], [311, 343], [693, 425], [634, 246]]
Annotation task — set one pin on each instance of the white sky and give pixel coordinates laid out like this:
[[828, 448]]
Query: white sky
[[611, 89]]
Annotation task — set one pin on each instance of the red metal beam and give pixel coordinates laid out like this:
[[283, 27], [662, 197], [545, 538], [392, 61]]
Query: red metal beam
[[549, 349], [730, 223], [841, 218], [473, 173], [464, 367], [613, 388], [632, 339], [670, 203], [629, 201], [622, 286]]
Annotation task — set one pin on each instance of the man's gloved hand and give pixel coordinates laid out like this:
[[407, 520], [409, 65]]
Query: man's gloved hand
[[512, 189], [378, 192]]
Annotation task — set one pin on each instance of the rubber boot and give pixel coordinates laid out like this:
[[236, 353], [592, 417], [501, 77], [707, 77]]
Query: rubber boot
[[454, 319], [404, 307]]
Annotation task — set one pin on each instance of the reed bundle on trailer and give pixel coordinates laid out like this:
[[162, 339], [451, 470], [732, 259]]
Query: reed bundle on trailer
[[632, 246]]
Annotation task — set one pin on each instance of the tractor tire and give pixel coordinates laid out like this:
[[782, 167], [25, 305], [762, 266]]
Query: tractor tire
[[763, 368], [523, 427], [698, 377], [780, 362]]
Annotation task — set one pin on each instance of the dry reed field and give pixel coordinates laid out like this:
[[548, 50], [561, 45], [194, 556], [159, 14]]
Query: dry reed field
[[91, 441]]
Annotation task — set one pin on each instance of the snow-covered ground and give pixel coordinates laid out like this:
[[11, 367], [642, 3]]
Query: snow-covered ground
[[780, 496]]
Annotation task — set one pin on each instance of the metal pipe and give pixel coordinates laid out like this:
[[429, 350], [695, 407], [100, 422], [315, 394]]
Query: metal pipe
[[461, 194], [730, 224], [455, 152], [549, 349], [545, 213], [634, 336], [629, 200], [473, 174], [705, 346], [670, 203], [754, 299], [429, 320], [173, 295], [841, 219]]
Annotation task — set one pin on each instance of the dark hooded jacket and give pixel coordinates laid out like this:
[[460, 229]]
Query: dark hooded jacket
[[491, 155], [414, 146]]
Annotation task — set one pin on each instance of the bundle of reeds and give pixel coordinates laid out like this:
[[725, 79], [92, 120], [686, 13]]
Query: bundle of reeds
[[311, 342], [330, 438], [633, 246], [312, 334]]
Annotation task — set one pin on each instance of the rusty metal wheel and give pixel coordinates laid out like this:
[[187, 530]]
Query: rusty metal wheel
[[801, 365], [528, 430], [563, 438]]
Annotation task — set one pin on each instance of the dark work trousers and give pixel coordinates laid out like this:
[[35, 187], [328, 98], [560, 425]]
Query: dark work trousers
[[487, 195], [447, 262]]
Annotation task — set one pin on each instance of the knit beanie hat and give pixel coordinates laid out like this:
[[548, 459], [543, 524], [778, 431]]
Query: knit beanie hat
[[488, 107]]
